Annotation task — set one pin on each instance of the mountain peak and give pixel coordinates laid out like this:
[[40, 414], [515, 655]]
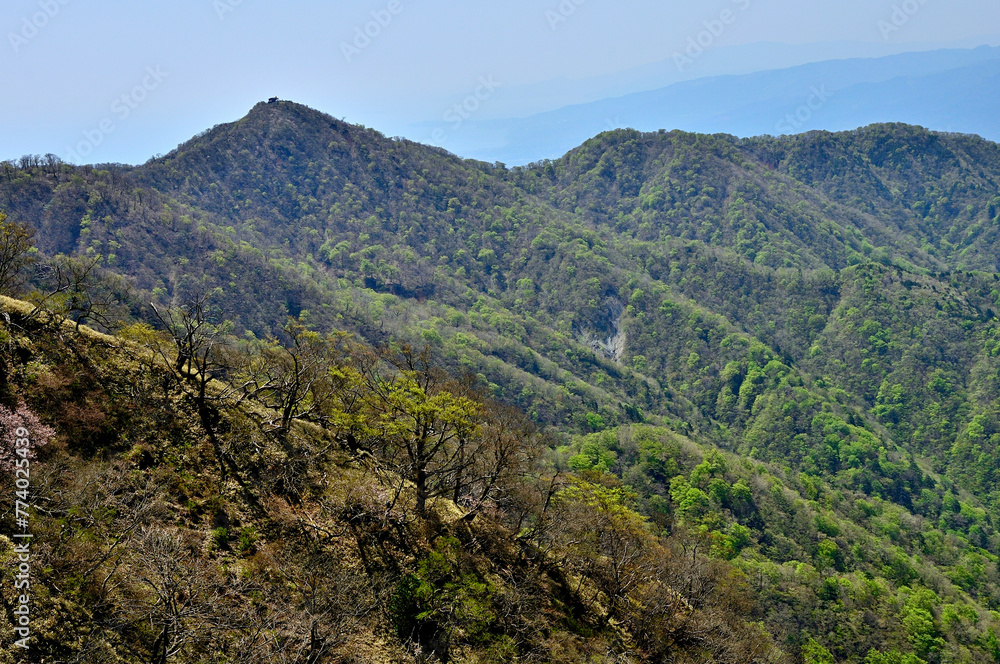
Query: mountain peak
[[276, 135], [284, 107]]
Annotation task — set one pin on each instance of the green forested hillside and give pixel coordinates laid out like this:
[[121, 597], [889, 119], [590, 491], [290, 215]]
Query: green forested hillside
[[786, 348], [174, 520]]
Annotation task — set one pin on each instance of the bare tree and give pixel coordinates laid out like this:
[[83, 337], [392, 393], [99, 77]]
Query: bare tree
[[16, 244], [198, 355], [330, 604], [177, 598], [29, 161], [293, 380], [80, 290], [52, 162], [196, 340], [505, 449], [88, 293]]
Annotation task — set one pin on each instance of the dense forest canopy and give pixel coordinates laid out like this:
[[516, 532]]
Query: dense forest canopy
[[775, 360]]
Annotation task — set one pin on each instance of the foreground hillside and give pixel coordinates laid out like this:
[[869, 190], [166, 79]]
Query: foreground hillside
[[171, 526], [786, 349]]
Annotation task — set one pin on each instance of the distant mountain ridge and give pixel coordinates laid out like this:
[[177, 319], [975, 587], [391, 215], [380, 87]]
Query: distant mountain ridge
[[946, 90]]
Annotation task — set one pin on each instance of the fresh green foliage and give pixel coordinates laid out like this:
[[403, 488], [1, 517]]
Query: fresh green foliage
[[785, 348], [174, 523]]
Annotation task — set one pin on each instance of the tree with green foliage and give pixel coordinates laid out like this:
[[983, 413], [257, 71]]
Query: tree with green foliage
[[594, 529], [421, 421], [892, 657], [814, 653]]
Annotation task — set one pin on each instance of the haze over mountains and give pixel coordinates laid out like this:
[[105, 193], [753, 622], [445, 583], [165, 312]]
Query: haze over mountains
[[517, 122], [944, 90], [496, 332], [786, 349]]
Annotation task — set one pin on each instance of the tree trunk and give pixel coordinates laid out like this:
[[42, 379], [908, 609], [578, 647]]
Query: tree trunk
[[421, 482], [160, 647]]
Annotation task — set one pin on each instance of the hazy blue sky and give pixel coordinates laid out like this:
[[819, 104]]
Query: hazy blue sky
[[133, 78]]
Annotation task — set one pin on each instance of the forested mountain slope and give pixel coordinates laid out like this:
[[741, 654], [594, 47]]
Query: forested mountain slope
[[819, 308], [172, 520]]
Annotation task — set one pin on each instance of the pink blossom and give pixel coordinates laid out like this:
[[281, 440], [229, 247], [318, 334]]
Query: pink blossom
[[13, 425]]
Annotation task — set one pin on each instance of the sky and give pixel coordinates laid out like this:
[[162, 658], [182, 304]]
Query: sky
[[124, 80]]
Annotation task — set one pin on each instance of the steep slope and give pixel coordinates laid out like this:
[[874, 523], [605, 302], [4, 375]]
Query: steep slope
[[163, 535], [799, 304], [941, 190], [713, 190]]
